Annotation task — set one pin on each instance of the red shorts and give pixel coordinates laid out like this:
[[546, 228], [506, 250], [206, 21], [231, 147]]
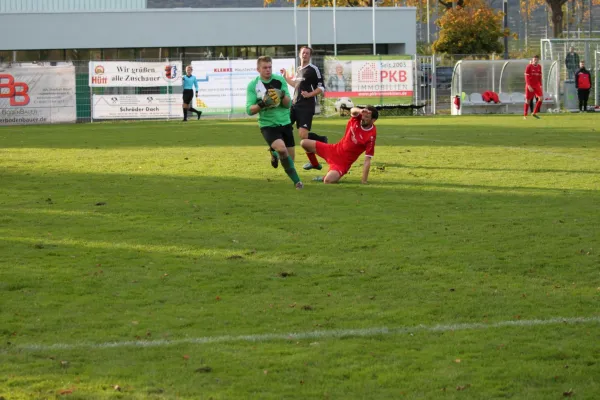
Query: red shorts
[[335, 161], [537, 92]]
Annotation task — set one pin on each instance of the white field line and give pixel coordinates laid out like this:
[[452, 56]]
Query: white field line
[[323, 334]]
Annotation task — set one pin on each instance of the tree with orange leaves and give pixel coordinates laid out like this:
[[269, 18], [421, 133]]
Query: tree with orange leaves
[[475, 28], [526, 6]]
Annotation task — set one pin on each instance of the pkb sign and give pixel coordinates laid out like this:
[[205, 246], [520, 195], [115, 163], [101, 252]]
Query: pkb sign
[[9, 89], [393, 76]]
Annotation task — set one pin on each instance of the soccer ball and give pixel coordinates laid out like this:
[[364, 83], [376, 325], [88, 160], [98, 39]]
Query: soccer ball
[[344, 102]]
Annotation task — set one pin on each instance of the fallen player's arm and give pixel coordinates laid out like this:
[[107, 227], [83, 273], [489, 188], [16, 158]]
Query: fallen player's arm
[[355, 111], [366, 168]]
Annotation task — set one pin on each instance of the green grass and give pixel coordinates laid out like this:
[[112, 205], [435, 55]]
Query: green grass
[[173, 261]]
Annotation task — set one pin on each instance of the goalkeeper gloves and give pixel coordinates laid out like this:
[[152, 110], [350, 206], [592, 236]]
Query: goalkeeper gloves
[[271, 99]]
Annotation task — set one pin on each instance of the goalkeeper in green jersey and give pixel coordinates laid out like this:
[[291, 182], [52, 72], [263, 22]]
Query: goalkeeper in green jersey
[[267, 95]]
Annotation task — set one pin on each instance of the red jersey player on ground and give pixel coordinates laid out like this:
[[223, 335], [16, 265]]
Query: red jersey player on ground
[[359, 138], [533, 86]]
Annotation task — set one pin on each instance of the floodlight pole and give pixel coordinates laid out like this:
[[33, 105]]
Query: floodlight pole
[[374, 46], [590, 21], [568, 24], [505, 28], [428, 34], [309, 41], [334, 31], [547, 23], [295, 34]]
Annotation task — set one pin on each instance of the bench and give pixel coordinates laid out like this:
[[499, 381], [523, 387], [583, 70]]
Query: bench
[[510, 103]]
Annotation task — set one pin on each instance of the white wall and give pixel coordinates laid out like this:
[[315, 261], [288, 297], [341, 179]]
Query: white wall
[[204, 27]]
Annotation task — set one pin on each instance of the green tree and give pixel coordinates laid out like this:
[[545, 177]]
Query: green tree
[[475, 28]]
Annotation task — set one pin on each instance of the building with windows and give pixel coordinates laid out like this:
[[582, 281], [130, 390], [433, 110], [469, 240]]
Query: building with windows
[[37, 30]]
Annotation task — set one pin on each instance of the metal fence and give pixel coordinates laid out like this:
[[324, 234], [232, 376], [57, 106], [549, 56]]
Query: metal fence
[[585, 49], [431, 85], [87, 97]]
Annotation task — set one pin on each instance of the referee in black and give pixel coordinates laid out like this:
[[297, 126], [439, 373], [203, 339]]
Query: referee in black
[[189, 83], [308, 84]]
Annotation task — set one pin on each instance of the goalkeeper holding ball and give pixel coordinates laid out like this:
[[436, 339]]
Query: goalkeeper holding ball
[[267, 95]]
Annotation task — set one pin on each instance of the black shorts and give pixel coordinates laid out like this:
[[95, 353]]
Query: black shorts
[[188, 95], [285, 133], [302, 116]]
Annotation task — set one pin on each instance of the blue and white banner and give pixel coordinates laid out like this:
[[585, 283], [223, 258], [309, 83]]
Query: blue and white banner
[[222, 84]]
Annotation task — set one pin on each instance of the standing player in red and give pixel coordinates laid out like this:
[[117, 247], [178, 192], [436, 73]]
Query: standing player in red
[[533, 86], [359, 138]]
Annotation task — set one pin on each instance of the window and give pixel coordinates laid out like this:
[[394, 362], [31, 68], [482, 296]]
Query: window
[[52, 55], [149, 54], [266, 51], [220, 52], [238, 52], [28, 55], [127, 54], [252, 53], [78, 54], [110, 54], [5, 56], [95, 54]]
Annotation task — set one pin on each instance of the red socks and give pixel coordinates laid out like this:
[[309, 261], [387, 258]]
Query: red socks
[[313, 159]]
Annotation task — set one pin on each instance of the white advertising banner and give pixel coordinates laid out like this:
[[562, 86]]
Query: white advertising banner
[[222, 84], [134, 74], [369, 76], [140, 106], [37, 94]]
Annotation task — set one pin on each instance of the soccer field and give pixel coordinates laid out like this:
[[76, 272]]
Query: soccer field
[[163, 260]]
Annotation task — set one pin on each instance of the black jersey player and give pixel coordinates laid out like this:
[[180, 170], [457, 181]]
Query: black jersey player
[[308, 84]]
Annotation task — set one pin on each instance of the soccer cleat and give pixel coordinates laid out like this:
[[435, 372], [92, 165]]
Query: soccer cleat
[[309, 166], [535, 116], [299, 185], [274, 160], [318, 179], [525, 117], [199, 114], [325, 139]]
